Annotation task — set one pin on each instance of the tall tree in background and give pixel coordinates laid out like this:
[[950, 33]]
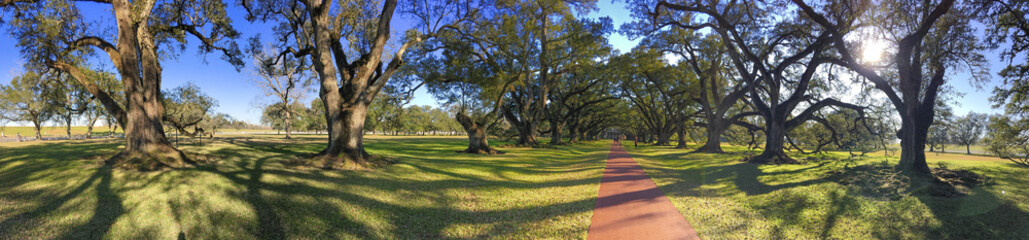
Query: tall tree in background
[[95, 110], [187, 107], [141, 28], [28, 99], [550, 36], [69, 100], [284, 79], [314, 117], [275, 115], [576, 95], [1009, 139], [659, 91], [719, 89], [472, 84], [968, 129], [1007, 22], [346, 44], [940, 134], [782, 57], [930, 38]]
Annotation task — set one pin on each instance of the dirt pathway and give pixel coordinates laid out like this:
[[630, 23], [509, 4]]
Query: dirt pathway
[[630, 206]]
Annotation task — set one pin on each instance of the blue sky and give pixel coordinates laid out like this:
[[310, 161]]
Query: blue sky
[[241, 98]]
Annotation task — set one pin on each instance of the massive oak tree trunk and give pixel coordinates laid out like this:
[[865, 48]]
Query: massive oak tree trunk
[[555, 133], [135, 58], [526, 128], [663, 138], [913, 134], [527, 137], [681, 136], [346, 138], [916, 97], [713, 143], [774, 151], [478, 141], [146, 145]]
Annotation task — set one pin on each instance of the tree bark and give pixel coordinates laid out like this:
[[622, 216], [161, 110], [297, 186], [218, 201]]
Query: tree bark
[[478, 141], [681, 136], [67, 124], [555, 133], [663, 138], [39, 137], [774, 151], [713, 143], [288, 124], [913, 134], [346, 139]]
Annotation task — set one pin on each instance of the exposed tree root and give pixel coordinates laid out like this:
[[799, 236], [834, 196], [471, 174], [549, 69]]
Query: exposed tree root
[[885, 181], [157, 158], [772, 158], [483, 151], [341, 161], [708, 149]]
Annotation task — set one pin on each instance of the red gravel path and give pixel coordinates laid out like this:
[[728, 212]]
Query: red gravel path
[[630, 206]]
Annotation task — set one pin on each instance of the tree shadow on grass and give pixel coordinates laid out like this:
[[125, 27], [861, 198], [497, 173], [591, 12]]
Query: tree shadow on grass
[[289, 203], [276, 209], [980, 215], [983, 214], [108, 208]]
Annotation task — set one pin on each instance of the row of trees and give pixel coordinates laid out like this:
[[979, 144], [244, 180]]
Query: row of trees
[[38, 97], [777, 69], [768, 68], [382, 118]]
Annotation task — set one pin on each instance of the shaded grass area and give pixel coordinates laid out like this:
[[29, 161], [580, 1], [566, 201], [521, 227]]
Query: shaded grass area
[[724, 198], [56, 190]]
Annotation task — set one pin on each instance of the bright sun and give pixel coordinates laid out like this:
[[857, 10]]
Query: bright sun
[[872, 51]]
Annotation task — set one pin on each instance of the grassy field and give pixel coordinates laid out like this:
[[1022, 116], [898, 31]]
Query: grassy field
[[727, 199], [56, 190]]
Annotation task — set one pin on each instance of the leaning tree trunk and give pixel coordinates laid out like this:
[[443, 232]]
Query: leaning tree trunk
[[713, 144], [39, 137], [89, 128], [478, 141], [774, 152]]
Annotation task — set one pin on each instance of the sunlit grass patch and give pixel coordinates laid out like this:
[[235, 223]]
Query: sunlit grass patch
[[725, 198], [52, 190]]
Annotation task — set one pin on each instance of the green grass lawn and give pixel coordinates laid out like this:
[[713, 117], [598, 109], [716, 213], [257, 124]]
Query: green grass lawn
[[53, 190], [724, 198]]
